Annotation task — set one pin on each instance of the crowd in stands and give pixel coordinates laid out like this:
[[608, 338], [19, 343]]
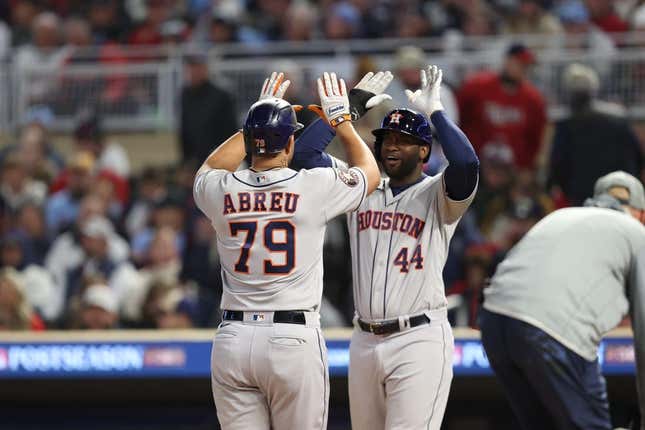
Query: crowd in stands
[[87, 243], [60, 26]]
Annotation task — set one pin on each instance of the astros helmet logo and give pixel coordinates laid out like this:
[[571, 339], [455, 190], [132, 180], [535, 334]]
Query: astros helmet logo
[[395, 117]]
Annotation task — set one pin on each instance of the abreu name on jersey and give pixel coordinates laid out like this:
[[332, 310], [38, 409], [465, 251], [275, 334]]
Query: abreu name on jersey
[[395, 221], [260, 201]]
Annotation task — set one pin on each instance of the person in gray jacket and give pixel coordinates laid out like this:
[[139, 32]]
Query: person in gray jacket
[[571, 279]]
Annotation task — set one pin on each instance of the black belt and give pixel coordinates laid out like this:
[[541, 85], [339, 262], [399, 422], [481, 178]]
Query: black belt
[[284, 317], [391, 326]]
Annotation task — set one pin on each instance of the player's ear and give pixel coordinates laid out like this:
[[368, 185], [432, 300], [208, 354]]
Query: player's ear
[[424, 150]]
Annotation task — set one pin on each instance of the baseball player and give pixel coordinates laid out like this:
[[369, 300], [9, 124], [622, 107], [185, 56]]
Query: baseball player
[[573, 277], [401, 350], [269, 365]]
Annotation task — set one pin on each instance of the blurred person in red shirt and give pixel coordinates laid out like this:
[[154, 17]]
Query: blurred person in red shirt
[[604, 16], [505, 108], [149, 31]]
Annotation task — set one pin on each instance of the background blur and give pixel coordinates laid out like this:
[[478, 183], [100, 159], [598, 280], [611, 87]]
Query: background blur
[[108, 107]]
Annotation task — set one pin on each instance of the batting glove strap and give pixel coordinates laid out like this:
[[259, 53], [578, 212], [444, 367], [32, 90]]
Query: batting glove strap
[[341, 119], [357, 102]]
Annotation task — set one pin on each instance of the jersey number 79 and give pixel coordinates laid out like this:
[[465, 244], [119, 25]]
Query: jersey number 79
[[287, 247]]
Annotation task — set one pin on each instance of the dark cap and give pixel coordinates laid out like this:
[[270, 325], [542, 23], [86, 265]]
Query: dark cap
[[521, 52]]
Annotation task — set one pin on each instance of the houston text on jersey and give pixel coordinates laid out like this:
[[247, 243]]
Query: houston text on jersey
[[395, 221]]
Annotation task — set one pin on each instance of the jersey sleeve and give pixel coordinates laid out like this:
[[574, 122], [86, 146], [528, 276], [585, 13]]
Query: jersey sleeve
[[340, 190], [451, 210], [205, 190]]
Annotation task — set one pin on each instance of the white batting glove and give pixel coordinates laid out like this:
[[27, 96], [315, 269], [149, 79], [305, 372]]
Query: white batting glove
[[274, 87], [428, 98], [369, 93], [333, 99]]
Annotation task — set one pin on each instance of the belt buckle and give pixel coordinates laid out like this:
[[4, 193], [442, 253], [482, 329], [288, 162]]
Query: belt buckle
[[258, 316], [376, 328]]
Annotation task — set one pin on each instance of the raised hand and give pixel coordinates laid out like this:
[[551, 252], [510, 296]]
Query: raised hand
[[333, 99], [428, 98], [274, 86], [369, 93]]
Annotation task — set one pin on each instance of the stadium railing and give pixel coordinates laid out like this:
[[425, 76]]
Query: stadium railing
[[143, 93]]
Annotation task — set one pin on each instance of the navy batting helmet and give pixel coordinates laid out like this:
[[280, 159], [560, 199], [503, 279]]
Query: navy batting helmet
[[404, 121], [269, 125]]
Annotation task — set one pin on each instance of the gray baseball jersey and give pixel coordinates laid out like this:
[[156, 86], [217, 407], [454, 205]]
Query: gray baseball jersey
[[270, 229], [399, 247]]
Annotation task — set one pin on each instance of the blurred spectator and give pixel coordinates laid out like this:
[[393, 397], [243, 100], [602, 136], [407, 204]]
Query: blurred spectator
[[149, 31], [38, 156], [479, 19], [30, 221], [107, 20], [477, 261], [166, 213], [604, 16], [594, 139], [410, 22], [97, 309], [503, 216], [162, 262], [62, 207], [377, 18], [505, 108], [5, 39], [299, 22], [496, 177], [168, 306], [207, 113], [342, 21], [174, 32], [41, 60], [636, 16], [15, 311], [522, 213], [16, 187], [151, 190], [23, 13], [532, 17], [200, 264], [67, 252], [89, 136], [223, 30], [98, 261], [267, 17], [583, 35], [466, 235], [38, 285], [78, 89]]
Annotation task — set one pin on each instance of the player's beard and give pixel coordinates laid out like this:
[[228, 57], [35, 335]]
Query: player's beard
[[404, 169]]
